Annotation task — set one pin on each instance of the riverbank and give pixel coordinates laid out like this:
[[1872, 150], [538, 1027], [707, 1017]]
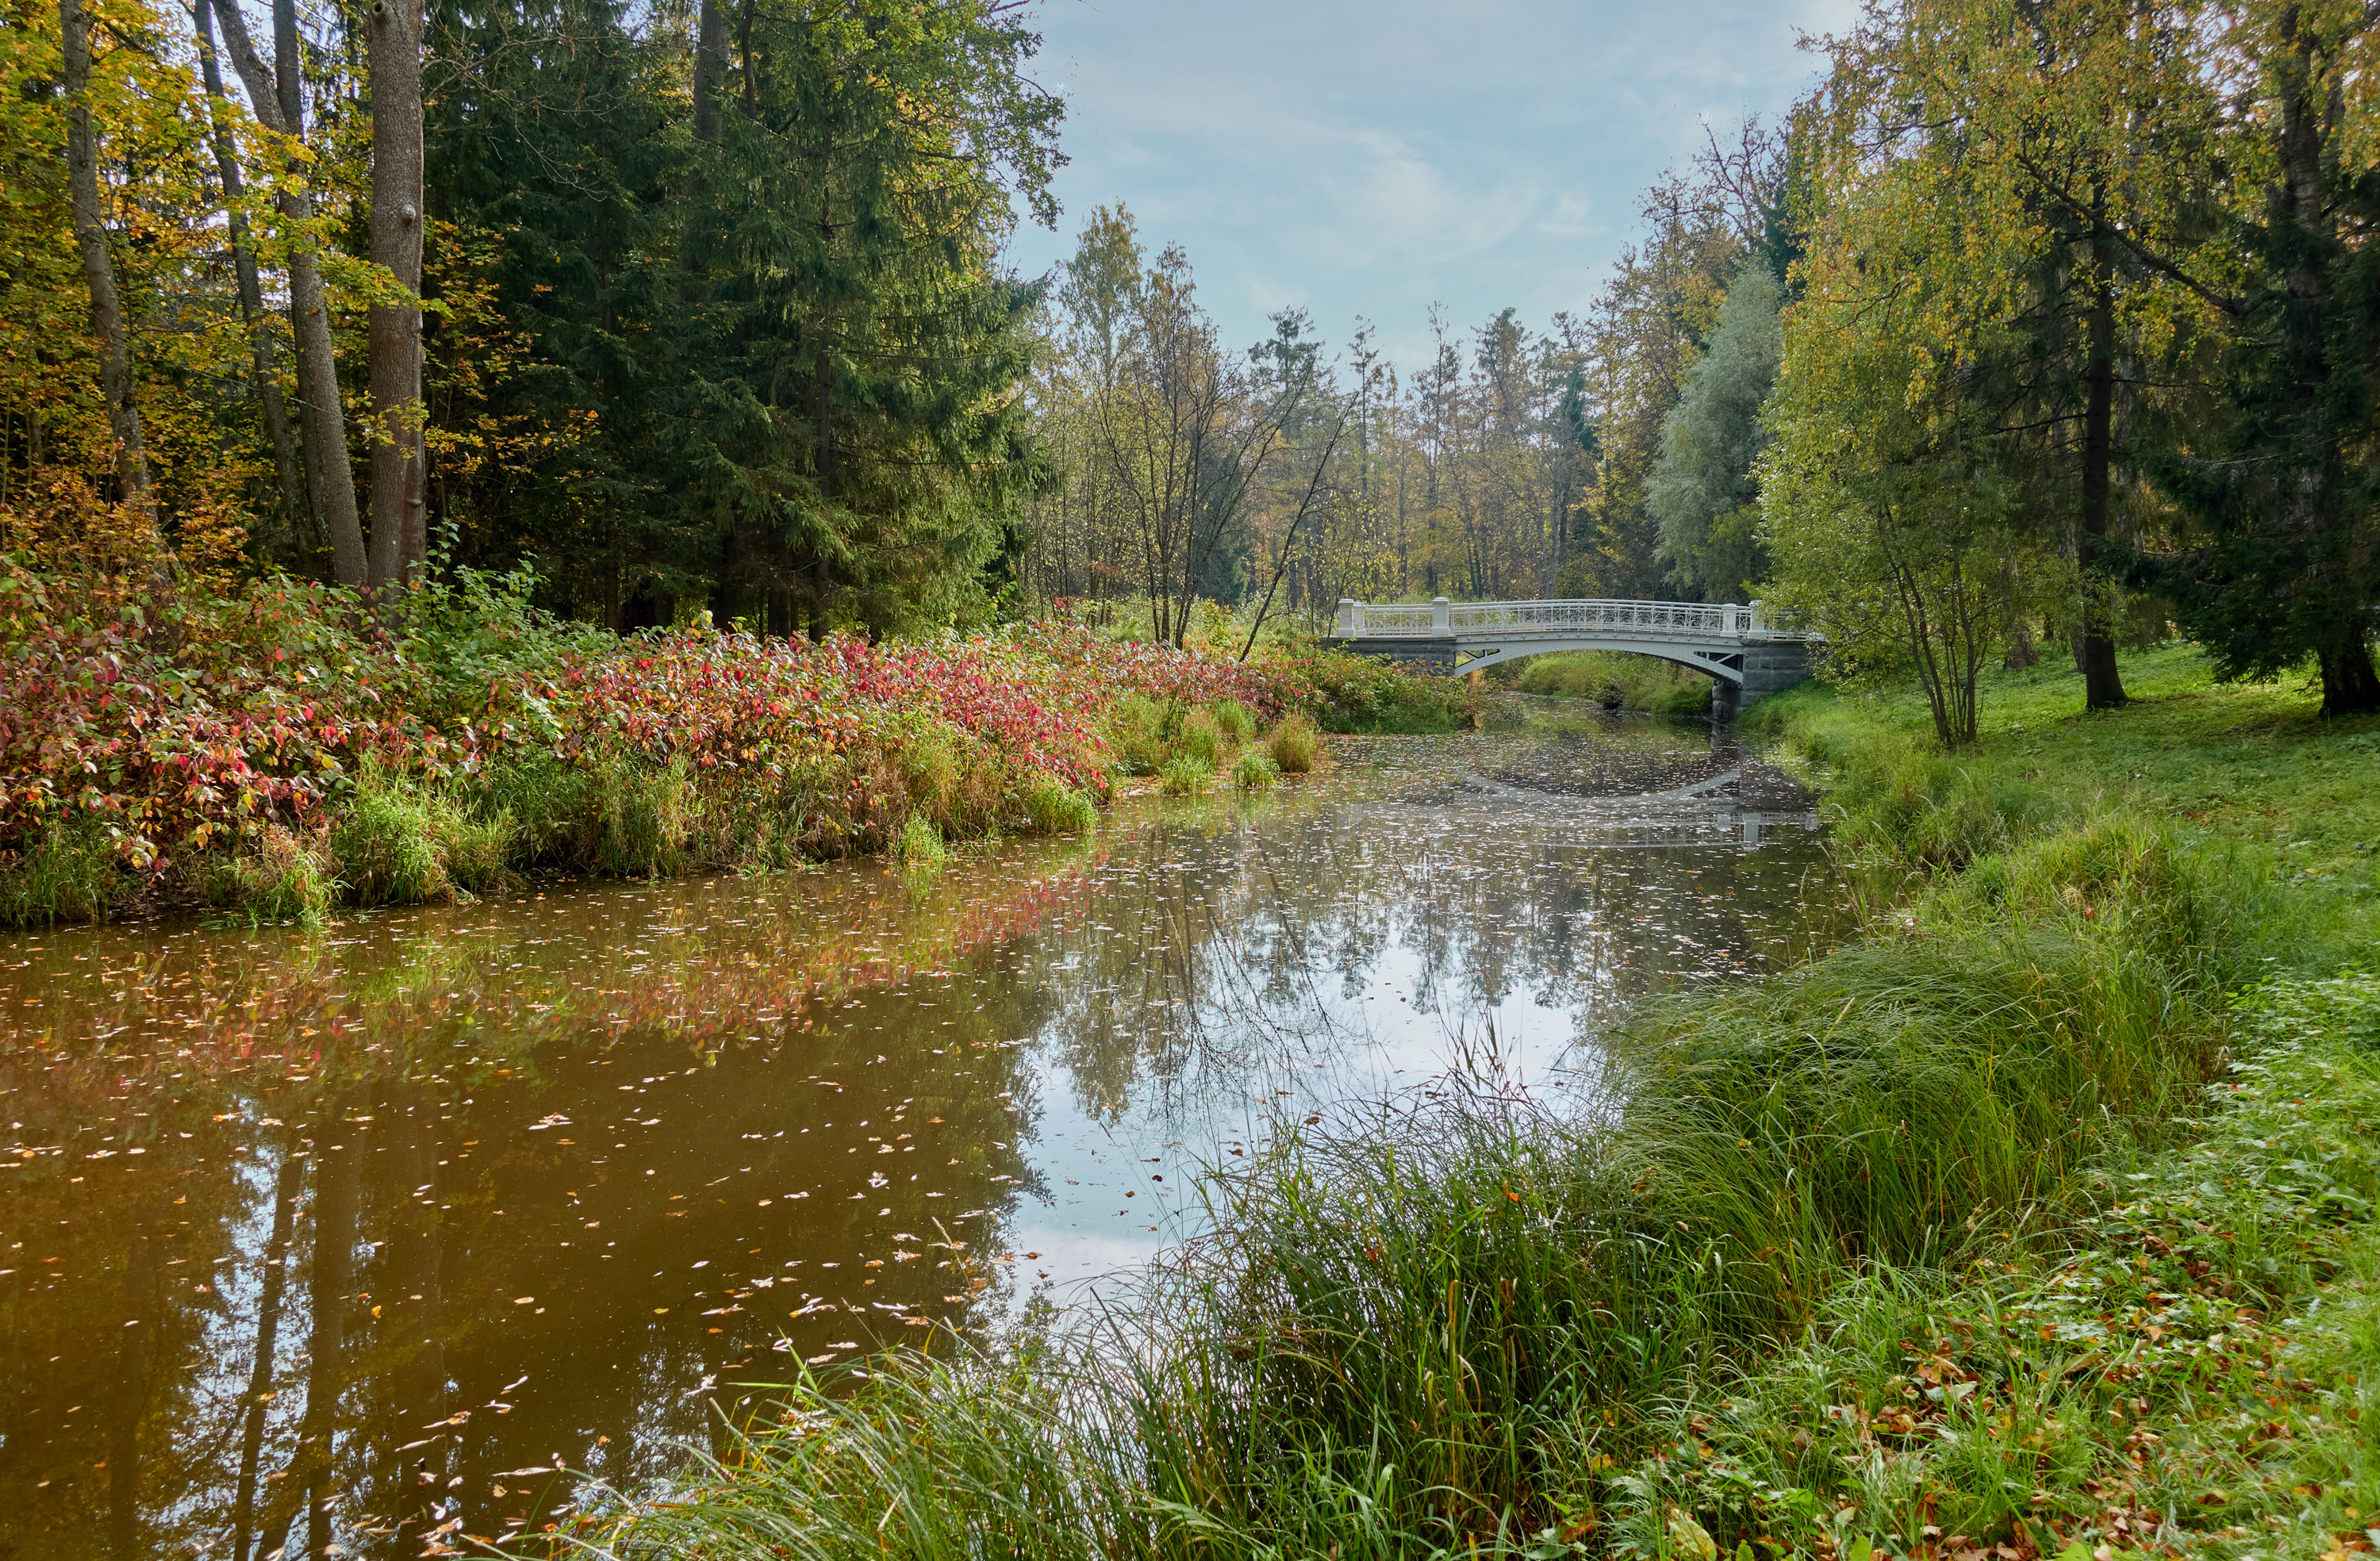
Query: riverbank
[[275, 750], [2011, 1228]]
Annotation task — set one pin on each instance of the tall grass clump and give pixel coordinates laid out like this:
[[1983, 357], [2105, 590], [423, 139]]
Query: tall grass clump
[[1255, 772], [1235, 720], [69, 872], [919, 848], [1053, 807], [645, 816], [288, 878], [922, 1460], [400, 842], [1186, 775], [1295, 744], [1201, 737]]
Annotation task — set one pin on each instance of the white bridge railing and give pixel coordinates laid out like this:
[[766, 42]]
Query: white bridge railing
[[1652, 619]]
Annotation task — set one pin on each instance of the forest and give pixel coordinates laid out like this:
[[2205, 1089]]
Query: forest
[[2032, 322]]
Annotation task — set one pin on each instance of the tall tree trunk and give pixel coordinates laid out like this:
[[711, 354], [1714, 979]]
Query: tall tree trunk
[[276, 102], [286, 462], [2350, 687], [710, 69], [2319, 498], [128, 1401], [2102, 685], [399, 485], [418, 1303], [99, 267], [268, 1331], [334, 1286]]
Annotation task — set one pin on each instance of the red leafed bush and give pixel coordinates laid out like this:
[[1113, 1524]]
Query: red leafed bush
[[182, 724]]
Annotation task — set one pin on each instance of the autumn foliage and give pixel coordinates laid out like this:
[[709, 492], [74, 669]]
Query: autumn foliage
[[166, 728]]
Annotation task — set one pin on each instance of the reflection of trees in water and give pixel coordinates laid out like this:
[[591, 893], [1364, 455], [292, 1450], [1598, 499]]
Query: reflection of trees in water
[[1218, 937], [315, 1188]]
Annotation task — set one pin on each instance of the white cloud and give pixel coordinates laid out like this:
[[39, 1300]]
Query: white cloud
[[1370, 159]]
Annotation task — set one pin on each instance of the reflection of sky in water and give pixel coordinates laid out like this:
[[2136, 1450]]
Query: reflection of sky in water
[[591, 1152]]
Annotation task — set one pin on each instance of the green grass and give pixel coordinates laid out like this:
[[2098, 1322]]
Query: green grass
[[288, 878], [919, 848], [1054, 808], [2190, 1366], [2250, 763], [1295, 746], [399, 842], [1186, 775], [1616, 681], [70, 872]]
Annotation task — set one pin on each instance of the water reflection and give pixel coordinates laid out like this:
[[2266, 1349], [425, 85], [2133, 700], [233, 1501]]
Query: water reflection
[[354, 1239]]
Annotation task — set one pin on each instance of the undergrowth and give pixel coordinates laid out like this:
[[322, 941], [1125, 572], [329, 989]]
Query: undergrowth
[[164, 749]]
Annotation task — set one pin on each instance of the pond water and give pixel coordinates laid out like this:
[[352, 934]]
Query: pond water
[[343, 1242]]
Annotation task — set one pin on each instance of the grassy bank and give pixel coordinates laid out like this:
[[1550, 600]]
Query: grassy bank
[[1616, 682], [277, 749], [2009, 1229]]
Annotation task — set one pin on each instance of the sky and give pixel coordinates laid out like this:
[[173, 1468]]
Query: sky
[[1373, 157]]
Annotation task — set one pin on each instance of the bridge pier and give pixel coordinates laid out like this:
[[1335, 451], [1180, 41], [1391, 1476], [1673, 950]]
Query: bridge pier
[[1771, 669]]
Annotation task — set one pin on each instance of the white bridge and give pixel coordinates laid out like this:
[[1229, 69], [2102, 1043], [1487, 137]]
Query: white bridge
[[1746, 657]]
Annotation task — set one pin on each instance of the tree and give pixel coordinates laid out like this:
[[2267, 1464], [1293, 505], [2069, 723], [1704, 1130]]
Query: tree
[[276, 101], [1181, 433], [286, 463], [1882, 498], [2281, 558], [115, 375], [399, 455], [849, 437], [1702, 491], [2064, 160]]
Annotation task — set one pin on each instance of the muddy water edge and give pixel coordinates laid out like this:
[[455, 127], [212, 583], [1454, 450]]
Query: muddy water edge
[[334, 1241]]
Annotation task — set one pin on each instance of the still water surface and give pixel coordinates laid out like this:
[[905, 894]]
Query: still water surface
[[330, 1241]]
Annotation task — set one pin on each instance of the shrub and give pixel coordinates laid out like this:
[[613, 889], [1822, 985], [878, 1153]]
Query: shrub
[[288, 878], [1056, 808], [70, 872], [1254, 773], [1295, 746], [1186, 775], [1354, 693]]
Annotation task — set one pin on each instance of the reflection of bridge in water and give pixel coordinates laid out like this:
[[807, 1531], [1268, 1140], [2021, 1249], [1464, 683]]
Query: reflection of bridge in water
[[1746, 658]]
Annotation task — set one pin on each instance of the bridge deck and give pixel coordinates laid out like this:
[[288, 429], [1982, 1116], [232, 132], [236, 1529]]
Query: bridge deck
[[1735, 645]]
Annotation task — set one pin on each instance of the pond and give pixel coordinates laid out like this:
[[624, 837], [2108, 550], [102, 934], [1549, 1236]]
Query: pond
[[346, 1241]]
